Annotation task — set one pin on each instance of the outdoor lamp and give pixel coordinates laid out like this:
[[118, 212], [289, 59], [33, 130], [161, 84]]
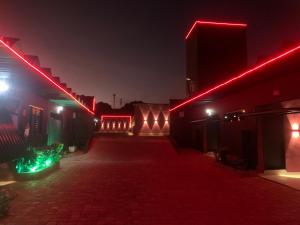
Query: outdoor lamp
[[59, 109], [209, 112], [295, 130]]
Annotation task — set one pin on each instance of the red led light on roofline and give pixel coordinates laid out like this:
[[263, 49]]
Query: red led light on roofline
[[116, 117], [41, 73], [198, 22], [228, 82], [94, 104]]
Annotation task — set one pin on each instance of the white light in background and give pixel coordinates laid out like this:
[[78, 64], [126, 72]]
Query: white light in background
[[59, 109], [295, 126], [295, 134], [209, 112], [3, 86], [295, 130]]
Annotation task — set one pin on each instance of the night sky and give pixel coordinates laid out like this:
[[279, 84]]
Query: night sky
[[136, 48]]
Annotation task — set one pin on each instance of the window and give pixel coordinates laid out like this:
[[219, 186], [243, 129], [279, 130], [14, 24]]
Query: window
[[35, 120]]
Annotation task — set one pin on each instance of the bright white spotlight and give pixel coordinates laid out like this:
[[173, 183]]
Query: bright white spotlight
[[209, 112], [59, 109], [3, 86]]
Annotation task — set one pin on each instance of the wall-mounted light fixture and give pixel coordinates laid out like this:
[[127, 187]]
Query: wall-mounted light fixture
[[59, 109], [295, 130], [210, 112]]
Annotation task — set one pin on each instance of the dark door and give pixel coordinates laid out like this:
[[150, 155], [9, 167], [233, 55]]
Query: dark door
[[249, 148], [198, 139], [54, 129], [213, 131], [273, 142]]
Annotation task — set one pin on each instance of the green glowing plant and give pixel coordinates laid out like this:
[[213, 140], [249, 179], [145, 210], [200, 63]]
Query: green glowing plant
[[39, 159]]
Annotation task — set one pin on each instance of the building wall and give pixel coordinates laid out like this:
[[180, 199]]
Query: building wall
[[19, 104], [282, 86], [115, 124], [292, 137], [70, 131], [78, 127], [213, 53], [151, 119]]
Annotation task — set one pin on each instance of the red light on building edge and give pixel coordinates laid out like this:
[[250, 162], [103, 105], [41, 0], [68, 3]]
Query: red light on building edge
[[198, 22], [41, 73], [228, 82]]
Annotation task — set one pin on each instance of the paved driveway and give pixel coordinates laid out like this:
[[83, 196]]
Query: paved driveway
[[134, 180]]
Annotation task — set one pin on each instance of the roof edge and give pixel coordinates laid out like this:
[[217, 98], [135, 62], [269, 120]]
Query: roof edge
[[213, 23], [236, 78]]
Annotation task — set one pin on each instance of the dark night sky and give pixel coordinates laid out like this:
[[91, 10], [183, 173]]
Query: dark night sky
[[135, 48]]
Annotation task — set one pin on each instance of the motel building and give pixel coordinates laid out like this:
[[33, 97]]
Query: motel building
[[36, 109], [146, 119], [248, 115]]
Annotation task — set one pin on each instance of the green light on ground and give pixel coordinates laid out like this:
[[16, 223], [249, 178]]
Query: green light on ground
[[39, 159], [33, 169], [48, 162]]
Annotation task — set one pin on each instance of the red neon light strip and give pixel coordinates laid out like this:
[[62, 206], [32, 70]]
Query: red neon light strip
[[116, 117], [235, 78], [41, 73], [94, 104], [198, 22]]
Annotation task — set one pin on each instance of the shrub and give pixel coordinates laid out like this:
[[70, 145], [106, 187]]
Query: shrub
[[39, 159]]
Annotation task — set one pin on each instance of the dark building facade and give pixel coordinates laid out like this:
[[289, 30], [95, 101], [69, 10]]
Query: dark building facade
[[36, 108], [214, 51], [254, 115]]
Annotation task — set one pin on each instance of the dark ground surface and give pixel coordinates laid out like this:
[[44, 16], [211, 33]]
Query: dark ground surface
[[135, 180]]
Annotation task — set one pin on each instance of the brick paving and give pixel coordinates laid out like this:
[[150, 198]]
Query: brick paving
[[144, 181]]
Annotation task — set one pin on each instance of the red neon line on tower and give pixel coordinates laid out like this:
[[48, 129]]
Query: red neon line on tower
[[225, 83], [198, 22], [42, 74]]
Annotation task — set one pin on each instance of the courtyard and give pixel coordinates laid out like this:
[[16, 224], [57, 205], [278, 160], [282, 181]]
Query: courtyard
[[139, 180]]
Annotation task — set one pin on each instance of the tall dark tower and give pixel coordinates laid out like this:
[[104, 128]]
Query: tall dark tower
[[214, 52]]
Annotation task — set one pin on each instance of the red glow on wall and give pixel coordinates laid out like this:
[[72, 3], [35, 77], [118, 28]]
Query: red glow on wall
[[47, 77], [211, 23], [235, 79]]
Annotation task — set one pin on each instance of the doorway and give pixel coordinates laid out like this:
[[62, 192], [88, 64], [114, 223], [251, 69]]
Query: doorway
[[273, 142]]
